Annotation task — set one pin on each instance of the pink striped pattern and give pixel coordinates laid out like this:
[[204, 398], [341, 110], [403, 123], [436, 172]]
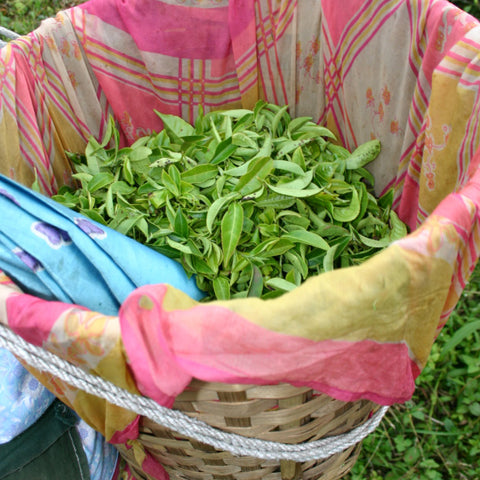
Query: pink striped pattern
[[405, 72]]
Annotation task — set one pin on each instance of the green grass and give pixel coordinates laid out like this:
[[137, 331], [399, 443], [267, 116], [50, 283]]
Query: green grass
[[23, 16], [470, 6], [434, 436]]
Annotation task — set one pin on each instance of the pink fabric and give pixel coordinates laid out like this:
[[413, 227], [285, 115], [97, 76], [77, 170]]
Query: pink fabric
[[170, 27], [168, 348], [129, 433], [405, 72], [29, 319]]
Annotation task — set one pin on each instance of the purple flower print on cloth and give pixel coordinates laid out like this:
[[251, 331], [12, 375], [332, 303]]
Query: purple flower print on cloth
[[55, 237], [92, 230], [8, 195], [29, 260]]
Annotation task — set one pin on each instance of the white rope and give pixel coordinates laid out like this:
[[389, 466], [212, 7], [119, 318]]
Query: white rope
[[5, 32], [8, 33], [178, 421], [174, 419]]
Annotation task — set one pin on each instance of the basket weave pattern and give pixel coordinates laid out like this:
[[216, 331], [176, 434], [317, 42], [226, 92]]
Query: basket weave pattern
[[279, 413]]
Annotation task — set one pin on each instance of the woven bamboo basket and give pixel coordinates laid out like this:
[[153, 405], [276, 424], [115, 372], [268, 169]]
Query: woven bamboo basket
[[280, 413]]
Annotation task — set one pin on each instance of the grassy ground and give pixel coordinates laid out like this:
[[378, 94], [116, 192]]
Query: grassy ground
[[434, 436], [23, 16]]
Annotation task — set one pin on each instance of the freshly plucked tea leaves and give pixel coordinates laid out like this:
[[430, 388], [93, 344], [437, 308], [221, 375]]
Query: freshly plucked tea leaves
[[251, 202], [231, 230]]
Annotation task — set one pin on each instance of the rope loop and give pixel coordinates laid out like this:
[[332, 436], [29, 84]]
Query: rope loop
[[6, 33], [178, 421]]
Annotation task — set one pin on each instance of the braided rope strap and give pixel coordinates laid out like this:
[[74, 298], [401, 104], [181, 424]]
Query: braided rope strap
[[5, 32], [178, 421]]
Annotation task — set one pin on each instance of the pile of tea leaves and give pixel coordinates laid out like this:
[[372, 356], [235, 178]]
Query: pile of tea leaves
[[251, 202]]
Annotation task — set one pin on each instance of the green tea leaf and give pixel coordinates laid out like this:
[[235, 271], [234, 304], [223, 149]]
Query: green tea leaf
[[200, 196], [363, 154], [350, 213], [181, 224], [280, 284], [36, 185], [221, 287], [338, 151], [255, 288], [242, 140], [127, 172], [181, 247], [70, 201], [372, 242], [200, 174], [398, 229], [139, 153], [216, 207], [266, 148], [91, 155], [99, 181], [235, 113], [223, 151], [227, 127], [109, 206], [298, 122], [231, 230], [262, 247], [200, 266], [272, 200], [299, 159], [126, 225], [311, 130], [164, 161], [298, 262], [386, 200], [108, 132], [276, 247], [140, 142], [289, 167], [142, 226], [176, 126], [240, 170], [175, 175], [258, 170], [301, 181], [277, 119], [290, 145], [329, 258], [83, 177], [170, 184], [295, 192], [122, 187], [158, 198], [308, 238]]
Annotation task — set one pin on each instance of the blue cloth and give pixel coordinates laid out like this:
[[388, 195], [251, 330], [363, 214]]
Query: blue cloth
[[22, 398], [101, 456], [55, 253]]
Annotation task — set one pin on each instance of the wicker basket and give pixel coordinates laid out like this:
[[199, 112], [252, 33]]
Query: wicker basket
[[280, 413]]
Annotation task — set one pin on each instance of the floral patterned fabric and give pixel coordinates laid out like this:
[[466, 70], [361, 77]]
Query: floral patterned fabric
[[22, 398], [402, 71], [50, 261]]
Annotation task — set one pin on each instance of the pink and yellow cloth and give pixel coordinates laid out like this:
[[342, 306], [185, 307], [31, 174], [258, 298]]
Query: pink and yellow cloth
[[405, 72]]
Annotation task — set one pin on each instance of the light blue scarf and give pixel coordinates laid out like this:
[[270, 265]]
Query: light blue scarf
[[57, 254]]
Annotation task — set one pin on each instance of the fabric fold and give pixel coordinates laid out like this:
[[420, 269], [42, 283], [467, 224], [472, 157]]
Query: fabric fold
[[403, 72]]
